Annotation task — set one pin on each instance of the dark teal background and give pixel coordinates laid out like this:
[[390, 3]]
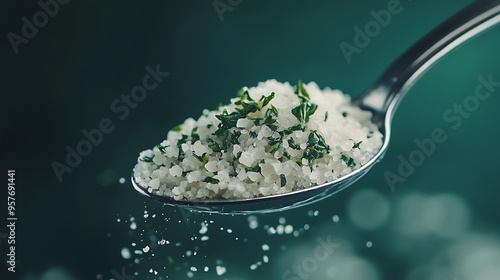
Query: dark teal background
[[65, 79]]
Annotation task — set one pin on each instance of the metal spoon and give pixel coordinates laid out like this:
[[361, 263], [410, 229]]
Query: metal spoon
[[381, 99]]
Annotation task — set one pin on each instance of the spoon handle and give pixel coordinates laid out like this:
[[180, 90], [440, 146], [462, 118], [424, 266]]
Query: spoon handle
[[386, 93]]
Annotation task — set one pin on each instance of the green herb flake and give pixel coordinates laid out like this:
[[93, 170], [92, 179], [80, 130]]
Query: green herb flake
[[293, 145], [283, 180], [181, 141], [205, 159], [161, 148], [214, 146], [227, 121], [344, 114], [348, 160], [253, 169], [211, 180], [252, 134], [326, 116], [301, 91], [356, 145], [316, 148], [176, 128], [248, 104], [194, 135], [274, 147], [240, 93], [304, 111], [267, 99], [147, 159]]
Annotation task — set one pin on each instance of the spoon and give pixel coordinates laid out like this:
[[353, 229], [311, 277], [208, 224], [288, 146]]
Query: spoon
[[381, 99]]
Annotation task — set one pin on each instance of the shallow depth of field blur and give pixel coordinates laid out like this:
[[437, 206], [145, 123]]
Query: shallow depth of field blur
[[439, 220]]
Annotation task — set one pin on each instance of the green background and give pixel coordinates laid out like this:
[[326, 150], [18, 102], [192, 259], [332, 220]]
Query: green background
[[442, 222]]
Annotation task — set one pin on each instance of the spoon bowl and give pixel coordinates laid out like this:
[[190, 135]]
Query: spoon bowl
[[381, 100]]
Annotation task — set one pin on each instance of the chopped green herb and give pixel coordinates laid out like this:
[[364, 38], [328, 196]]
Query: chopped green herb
[[316, 148], [287, 155], [267, 99], [369, 135], [304, 111], [147, 159], [227, 121], [270, 114], [194, 136], [229, 139], [301, 91], [273, 127], [214, 146], [205, 159], [356, 145], [283, 180], [274, 147], [275, 144], [211, 180], [348, 160], [248, 104], [253, 169], [344, 114], [197, 157], [181, 141], [256, 120], [161, 148], [252, 134], [209, 125], [177, 128], [326, 116], [240, 93], [293, 145], [293, 128]]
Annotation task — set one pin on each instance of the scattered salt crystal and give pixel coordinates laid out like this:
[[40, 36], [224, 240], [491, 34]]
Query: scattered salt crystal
[[125, 253], [220, 270]]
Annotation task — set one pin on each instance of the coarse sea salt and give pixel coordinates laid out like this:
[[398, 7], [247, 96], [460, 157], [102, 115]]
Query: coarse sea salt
[[272, 139]]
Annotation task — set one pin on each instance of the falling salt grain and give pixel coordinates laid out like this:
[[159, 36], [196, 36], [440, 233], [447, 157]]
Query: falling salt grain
[[288, 229], [145, 249], [335, 218], [280, 229], [204, 238], [265, 259], [204, 228], [252, 222], [205, 269], [133, 226], [125, 253], [369, 244], [220, 270], [271, 230], [265, 247], [190, 274]]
